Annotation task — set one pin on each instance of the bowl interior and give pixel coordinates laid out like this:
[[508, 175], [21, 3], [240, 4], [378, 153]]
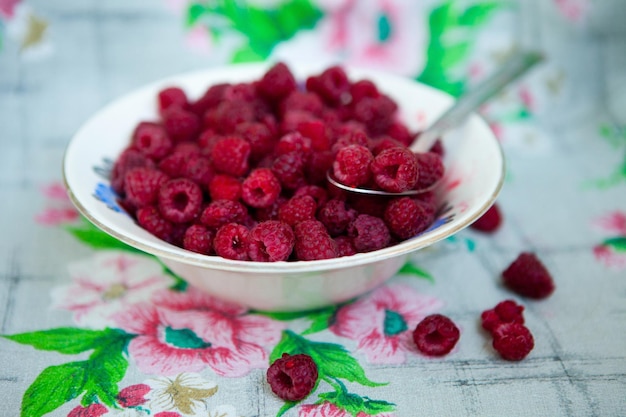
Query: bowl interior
[[474, 165]]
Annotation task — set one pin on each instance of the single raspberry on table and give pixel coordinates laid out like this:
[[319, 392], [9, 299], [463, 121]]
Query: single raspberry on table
[[142, 186], [352, 165], [490, 221], [297, 209], [172, 97], [313, 241], [513, 341], [180, 200], [292, 377], [436, 335], [181, 125], [220, 212], [130, 158], [528, 277], [507, 311], [406, 217], [231, 156], [225, 187], [231, 242], [152, 140], [395, 170], [261, 188], [150, 219], [270, 241], [199, 238], [369, 233], [336, 216], [277, 82], [430, 169]]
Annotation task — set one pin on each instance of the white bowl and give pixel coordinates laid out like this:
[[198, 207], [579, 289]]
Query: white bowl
[[474, 176]]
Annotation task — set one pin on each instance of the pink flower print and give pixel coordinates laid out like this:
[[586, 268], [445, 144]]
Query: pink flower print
[[93, 410], [198, 39], [7, 8], [382, 322], [573, 10], [191, 336], [327, 409], [107, 283], [57, 216], [613, 222], [133, 395], [610, 258], [55, 191]]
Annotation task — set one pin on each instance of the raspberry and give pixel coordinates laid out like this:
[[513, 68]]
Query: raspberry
[[221, 212], [289, 169], [438, 148], [513, 341], [142, 186], [429, 169], [228, 115], [345, 246], [180, 200], [259, 136], [315, 130], [428, 200], [527, 276], [172, 97], [380, 144], [302, 101], [224, 187], [400, 132], [230, 156], [211, 98], [490, 221], [297, 209], [271, 212], [261, 188], [294, 118], [197, 168], [293, 142], [150, 219], [128, 159], [406, 217], [355, 137], [317, 164], [362, 89], [270, 241], [369, 233], [377, 114], [292, 377], [436, 335], [332, 85], [231, 242], [181, 125], [313, 241], [198, 239], [365, 204], [336, 216], [319, 194], [277, 82], [507, 311], [151, 140], [352, 165], [395, 170]]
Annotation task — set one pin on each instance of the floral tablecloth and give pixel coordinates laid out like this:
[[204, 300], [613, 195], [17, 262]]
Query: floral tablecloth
[[91, 327]]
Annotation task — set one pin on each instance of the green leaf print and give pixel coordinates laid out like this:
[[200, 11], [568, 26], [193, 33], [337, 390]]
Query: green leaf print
[[410, 268], [55, 386], [89, 234], [67, 340], [617, 243]]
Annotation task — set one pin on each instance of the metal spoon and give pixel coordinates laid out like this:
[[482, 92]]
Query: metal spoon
[[455, 115]]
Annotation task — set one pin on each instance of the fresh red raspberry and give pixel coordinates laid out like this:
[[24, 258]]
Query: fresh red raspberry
[[366, 204], [292, 377], [293, 142], [317, 164], [400, 132], [513, 341], [231, 242], [270, 241], [210, 99], [181, 125], [198, 169], [221, 212], [225, 118], [352, 165], [297, 209], [395, 170], [150, 219], [436, 335], [316, 131], [430, 169], [142, 186], [303, 101], [428, 200], [259, 136], [319, 194], [207, 140], [377, 114], [332, 85], [277, 82], [379, 144], [225, 187], [180, 200], [336, 216], [438, 148], [490, 221], [152, 140], [230, 156], [292, 119], [269, 213], [198, 238], [362, 89], [261, 188], [289, 168], [355, 137], [528, 276], [507, 311], [345, 246], [130, 158], [313, 241], [369, 233], [172, 97], [406, 217]]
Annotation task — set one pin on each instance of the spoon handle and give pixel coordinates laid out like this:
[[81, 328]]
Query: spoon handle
[[466, 104]]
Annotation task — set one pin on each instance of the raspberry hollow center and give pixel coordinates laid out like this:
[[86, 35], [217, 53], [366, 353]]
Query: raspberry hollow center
[[285, 380], [180, 201]]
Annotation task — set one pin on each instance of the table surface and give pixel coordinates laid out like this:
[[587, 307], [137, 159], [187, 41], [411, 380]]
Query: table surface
[[74, 346]]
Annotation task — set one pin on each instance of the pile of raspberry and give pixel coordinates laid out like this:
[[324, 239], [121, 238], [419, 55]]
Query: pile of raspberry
[[241, 171]]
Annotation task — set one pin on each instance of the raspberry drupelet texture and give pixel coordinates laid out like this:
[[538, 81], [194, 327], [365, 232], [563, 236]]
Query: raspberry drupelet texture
[[261, 188], [180, 200], [150, 219], [130, 158], [513, 341], [225, 187], [270, 241], [395, 169], [172, 97], [292, 377], [336, 216], [527, 276], [181, 125], [507, 311], [352, 165], [297, 209], [231, 242], [430, 169], [198, 238], [369, 233], [221, 212], [332, 85], [406, 217], [277, 82], [230, 156], [313, 241], [490, 221], [289, 168], [142, 186], [436, 335], [152, 140]]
